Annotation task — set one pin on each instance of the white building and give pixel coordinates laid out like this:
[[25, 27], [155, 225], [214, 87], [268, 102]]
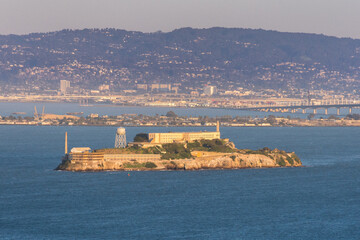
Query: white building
[[64, 86], [210, 90]]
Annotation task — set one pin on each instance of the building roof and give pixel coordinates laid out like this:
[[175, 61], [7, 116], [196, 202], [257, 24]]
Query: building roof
[[80, 149]]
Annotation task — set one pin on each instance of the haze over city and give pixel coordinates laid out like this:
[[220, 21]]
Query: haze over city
[[329, 17]]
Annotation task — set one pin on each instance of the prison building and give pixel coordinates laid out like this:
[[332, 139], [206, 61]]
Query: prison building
[[182, 137], [129, 157]]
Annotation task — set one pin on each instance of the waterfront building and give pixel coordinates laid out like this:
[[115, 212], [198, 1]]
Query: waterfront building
[[81, 154], [100, 156]]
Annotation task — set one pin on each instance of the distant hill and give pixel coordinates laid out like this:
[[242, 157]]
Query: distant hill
[[224, 57]]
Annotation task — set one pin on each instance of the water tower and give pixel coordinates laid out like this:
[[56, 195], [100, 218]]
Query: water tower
[[120, 138]]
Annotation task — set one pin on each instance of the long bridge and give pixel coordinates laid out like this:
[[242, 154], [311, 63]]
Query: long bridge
[[303, 106]]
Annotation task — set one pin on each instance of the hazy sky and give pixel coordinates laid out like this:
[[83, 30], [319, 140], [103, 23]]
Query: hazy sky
[[330, 17]]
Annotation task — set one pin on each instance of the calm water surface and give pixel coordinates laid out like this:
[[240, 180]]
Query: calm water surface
[[319, 201]]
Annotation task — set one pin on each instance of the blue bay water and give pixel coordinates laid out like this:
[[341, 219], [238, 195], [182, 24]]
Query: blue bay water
[[319, 201]]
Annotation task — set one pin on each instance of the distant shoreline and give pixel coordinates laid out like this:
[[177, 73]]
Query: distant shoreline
[[146, 116], [178, 126]]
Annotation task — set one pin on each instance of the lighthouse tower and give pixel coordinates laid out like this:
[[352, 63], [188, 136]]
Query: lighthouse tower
[[120, 138]]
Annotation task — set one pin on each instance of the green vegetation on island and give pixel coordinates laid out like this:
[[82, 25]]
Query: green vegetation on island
[[141, 137], [215, 145], [176, 151], [136, 164], [172, 151], [181, 150], [130, 150]]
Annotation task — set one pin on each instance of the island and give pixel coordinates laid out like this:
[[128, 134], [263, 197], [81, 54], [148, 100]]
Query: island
[[173, 151]]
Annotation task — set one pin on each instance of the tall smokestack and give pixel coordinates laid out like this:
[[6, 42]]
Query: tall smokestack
[[218, 126], [66, 145]]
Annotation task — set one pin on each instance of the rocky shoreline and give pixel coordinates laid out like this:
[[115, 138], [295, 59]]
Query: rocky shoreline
[[264, 158]]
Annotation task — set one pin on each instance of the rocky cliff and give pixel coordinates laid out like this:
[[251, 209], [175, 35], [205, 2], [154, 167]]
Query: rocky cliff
[[242, 159]]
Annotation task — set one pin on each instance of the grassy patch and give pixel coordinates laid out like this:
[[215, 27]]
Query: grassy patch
[[129, 150], [281, 162], [260, 151], [290, 160], [176, 151], [296, 158], [134, 165], [150, 165], [215, 145], [139, 165], [141, 137]]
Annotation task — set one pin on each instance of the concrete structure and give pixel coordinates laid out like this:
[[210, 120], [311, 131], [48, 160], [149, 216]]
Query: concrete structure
[[85, 154], [64, 86], [210, 90], [80, 149], [120, 138], [171, 137], [101, 157], [129, 157]]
